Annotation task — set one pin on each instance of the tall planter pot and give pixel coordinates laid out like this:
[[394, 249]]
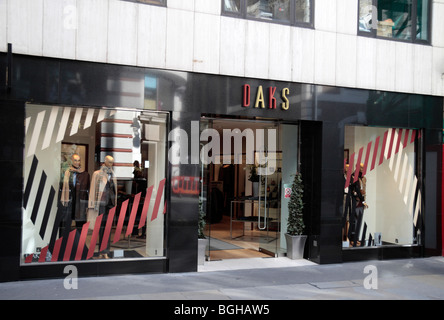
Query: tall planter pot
[[295, 246]]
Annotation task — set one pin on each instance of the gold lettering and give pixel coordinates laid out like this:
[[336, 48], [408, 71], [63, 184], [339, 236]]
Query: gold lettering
[[286, 104], [260, 98]]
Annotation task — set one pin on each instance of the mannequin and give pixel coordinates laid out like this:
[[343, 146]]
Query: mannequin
[[346, 205], [357, 208], [74, 197], [75, 188], [361, 205], [103, 196]]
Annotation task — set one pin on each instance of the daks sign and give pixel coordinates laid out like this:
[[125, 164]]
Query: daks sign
[[260, 101]]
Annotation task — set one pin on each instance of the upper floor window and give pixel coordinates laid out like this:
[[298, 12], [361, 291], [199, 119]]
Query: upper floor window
[[293, 12], [158, 2], [406, 20]]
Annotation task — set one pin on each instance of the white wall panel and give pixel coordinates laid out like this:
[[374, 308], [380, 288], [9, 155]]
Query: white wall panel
[[303, 62], [206, 43], [257, 49], [325, 15], [92, 30], [422, 69], [179, 45], [151, 36], [205, 6], [232, 46], [365, 63], [25, 26], [280, 52], [347, 16], [385, 65], [438, 24], [59, 28], [346, 60], [404, 67], [181, 4], [122, 32], [325, 58]]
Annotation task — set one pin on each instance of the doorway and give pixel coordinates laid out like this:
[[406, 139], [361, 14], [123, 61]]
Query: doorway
[[248, 166]]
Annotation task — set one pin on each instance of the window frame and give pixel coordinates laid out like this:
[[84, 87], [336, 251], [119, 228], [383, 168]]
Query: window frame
[[373, 32], [158, 3], [243, 15]]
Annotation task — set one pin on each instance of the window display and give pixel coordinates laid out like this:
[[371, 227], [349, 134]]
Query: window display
[[382, 195], [93, 185]]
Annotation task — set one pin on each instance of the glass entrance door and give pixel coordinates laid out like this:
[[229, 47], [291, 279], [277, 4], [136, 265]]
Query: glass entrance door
[[268, 162], [242, 185]]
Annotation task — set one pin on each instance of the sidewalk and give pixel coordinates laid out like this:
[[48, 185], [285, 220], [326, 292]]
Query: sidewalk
[[269, 279]]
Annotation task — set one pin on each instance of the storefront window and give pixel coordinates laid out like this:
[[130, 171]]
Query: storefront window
[[93, 184], [382, 195], [295, 12], [406, 20]]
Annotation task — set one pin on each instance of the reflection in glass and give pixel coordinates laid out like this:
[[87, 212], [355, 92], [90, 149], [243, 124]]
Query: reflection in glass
[[365, 15], [270, 10], [152, 1], [422, 28], [303, 11], [232, 6], [395, 19]]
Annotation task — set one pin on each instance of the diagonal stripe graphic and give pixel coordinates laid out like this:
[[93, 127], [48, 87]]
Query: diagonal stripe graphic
[[146, 205], [63, 124], [38, 198], [43, 253], [36, 133], [56, 251], [134, 210], [45, 220], [76, 121], [89, 118], [384, 142], [50, 127], [121, 220], [158, 198], [109, 223], [30, 181], [82, 241], [69, 245], [95, 235]]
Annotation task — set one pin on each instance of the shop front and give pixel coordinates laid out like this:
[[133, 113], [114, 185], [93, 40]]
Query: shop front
[[110, 166]]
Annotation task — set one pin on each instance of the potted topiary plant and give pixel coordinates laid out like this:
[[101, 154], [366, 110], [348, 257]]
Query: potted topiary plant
[[295, 225], [201, 238]]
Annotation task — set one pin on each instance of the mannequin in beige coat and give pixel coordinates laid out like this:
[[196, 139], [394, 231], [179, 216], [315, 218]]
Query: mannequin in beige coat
[[102, 196]]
